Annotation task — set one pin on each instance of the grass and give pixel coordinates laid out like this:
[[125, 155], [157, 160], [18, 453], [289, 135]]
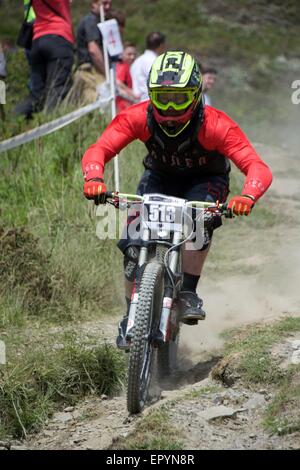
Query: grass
[[46, 380], [239, 29], [248, 353], [154, 432], [283, 416], [54, 271], [253, 347], [219, 33]]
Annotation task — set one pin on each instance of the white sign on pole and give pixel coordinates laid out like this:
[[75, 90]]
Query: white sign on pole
[[111, 37], [2, 353], [2, 92]]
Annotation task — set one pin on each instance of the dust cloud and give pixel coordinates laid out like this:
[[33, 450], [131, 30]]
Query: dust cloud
[[272, 291]]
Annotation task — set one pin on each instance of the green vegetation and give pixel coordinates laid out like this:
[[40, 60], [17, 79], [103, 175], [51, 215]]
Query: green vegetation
[[55, 274], [282, 416], [154, 432], [43, 381], [248, 354], [253, 347], [240, 29], [53, 271]]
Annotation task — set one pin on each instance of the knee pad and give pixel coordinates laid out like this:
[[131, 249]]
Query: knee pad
[[131, 256]]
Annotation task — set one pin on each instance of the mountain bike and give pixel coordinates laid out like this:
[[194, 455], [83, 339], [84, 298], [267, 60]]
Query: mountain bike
[[154, 315]]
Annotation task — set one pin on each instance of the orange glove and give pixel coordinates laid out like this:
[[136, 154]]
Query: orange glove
[[241, 205], [95, 189]]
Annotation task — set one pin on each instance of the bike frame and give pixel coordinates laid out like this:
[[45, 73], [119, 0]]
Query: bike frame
[[171, 261]]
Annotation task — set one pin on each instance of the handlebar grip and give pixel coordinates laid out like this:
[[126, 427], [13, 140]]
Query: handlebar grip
[[227, 212], [109, 194]]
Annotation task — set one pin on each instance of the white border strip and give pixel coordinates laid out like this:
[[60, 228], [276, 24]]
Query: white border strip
[[52, 126]]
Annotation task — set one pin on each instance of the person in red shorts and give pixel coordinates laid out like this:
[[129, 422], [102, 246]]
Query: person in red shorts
[[52, 52], [124, 80]]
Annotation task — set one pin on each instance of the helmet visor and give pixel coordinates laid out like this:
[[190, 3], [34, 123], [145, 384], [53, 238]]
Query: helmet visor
[[178, 100]]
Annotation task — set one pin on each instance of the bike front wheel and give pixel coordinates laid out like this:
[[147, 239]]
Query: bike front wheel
[[149, 306]]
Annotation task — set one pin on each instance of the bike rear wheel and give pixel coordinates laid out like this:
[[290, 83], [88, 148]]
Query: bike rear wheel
[[148, 311]]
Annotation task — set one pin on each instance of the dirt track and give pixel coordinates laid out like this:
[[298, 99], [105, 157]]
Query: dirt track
[[260, 286]]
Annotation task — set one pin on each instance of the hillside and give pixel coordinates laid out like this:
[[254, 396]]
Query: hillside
[[254, 45]]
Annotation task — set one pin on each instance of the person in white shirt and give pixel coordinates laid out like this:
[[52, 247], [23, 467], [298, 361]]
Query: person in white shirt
[[155, 45], [209, 76]]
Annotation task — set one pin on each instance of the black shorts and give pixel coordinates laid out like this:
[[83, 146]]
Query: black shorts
[[206, 188]]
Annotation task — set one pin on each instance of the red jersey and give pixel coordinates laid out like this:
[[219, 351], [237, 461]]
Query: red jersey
[[55, 20], [217, 133], [123, 75]]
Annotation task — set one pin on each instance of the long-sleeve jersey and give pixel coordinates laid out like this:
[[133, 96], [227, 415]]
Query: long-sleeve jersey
[[218, 133]]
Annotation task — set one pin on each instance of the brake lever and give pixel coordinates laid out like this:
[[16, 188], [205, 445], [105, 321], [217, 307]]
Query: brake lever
[[228, 214]]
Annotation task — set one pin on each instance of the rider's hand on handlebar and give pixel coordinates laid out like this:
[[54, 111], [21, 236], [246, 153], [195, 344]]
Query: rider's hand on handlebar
[[241, 205], [95, 189]]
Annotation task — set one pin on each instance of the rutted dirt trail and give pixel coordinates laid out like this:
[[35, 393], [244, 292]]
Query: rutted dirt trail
[[260, 286]]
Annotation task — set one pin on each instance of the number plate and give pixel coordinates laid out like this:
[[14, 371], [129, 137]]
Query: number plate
[[162, 213], [111, 35]]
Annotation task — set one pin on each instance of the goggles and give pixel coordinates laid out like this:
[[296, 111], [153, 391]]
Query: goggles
[[178, 100]]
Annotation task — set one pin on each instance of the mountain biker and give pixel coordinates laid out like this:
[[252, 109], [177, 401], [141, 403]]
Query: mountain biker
[[189, 148]]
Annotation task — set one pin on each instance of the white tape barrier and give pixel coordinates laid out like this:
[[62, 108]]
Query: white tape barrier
[[52, 126]]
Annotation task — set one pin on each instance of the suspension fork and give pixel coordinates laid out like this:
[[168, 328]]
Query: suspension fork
[[143, 257], [165, 324]]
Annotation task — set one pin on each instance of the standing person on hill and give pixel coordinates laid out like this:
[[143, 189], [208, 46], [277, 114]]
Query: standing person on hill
[[90, 71], [123, 76], [155, 45], [190, 147], [52, 52]]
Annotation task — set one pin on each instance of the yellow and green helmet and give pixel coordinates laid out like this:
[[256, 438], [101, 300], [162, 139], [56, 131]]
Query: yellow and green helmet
[[175, 90]]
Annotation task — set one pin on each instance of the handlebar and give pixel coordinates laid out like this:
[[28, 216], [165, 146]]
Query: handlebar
[[214, 207]]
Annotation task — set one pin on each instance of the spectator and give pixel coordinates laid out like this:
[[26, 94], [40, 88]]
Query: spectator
[[91, 69], [52, 52], [155, 45], [209, 75], [52, 55], [123, 76]]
